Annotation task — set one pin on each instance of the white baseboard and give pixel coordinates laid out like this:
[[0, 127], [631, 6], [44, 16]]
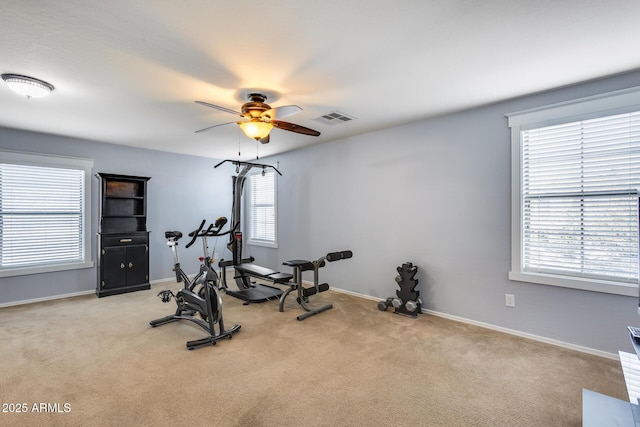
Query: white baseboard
[[558, 343], [70, 295], [165, 280], [49, 298]]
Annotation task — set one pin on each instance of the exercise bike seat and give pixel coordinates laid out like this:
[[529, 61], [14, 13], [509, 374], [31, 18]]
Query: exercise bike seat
[[173, 235]]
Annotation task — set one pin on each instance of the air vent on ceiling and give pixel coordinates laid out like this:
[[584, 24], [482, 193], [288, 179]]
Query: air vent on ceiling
[[334, 118]]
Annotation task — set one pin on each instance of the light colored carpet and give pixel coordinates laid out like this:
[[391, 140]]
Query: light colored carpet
[[350, 366]]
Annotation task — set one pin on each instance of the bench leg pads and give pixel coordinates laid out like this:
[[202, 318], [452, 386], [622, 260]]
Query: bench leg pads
[[307, 292]]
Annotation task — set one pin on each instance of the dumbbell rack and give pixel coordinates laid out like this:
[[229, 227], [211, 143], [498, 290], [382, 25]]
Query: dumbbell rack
[[407, 300]]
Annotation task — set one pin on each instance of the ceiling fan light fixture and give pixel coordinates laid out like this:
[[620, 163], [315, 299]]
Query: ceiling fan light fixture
[[27, 86], [256, 129]]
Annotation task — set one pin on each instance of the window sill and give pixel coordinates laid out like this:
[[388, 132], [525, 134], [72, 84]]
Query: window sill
[[593, 285], [24, 271], [263, 243]]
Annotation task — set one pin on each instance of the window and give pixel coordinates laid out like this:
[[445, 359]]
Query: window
[[576, 177], [261, 219], [44, 213]]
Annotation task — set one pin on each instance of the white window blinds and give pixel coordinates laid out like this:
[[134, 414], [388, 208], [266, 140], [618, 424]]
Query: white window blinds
[[579, 198], [262, 209], [41, 215]]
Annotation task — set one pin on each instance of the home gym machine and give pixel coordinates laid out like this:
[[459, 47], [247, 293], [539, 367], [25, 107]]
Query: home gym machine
[[199, 295], [302, 299], [244, 268]]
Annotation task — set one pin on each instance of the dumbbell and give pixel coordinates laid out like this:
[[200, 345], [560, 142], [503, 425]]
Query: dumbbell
[[412, 305], [384, 305]]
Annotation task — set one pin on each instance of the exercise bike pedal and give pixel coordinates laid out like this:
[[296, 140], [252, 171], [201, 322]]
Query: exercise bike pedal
[[166, 296]]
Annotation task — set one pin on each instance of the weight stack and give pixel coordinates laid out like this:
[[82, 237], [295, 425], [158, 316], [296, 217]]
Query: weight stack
[[410, 303]]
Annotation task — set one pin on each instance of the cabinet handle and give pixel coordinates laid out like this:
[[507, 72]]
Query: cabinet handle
[[126, 240], [130, 265], [122, 265]]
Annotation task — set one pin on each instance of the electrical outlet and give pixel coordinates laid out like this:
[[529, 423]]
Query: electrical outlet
[[509, 300]]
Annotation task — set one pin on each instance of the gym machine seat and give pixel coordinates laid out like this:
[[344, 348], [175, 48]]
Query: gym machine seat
[[265, 273]]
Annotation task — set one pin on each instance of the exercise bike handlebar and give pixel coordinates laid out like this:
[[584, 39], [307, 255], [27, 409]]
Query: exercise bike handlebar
[[194, 234], [212, 230]]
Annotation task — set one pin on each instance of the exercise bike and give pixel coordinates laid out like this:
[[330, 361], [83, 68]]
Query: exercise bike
[[199, 295]]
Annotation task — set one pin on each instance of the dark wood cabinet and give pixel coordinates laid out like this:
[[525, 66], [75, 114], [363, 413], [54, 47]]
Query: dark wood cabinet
[[123, 240]]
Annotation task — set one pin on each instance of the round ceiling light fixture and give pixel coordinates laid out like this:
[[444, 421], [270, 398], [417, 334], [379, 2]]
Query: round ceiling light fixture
[[256, 129], [27, 86]]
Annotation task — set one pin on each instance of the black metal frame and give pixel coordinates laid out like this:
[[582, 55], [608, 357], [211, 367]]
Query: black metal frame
[[248, 291], [302, 299], [207, 300]]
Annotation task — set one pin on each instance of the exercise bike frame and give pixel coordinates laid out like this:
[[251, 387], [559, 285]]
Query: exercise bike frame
[[187, 300]]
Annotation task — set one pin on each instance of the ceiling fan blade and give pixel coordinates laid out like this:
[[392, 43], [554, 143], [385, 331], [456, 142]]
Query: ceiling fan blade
[[265, 140], [291, 127], [214, 126], [281, 112], [217, 107]]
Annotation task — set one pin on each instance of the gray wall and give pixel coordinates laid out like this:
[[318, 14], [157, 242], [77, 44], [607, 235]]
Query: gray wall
[[182, 191], [437, 193]]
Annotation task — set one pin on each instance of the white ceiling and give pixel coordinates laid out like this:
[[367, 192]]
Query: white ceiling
[[128, 71]]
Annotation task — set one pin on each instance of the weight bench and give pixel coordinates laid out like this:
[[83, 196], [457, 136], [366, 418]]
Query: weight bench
[[264, 273], [254, 292], [300, 265]]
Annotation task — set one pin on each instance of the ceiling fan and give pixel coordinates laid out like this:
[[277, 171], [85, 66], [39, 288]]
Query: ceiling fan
[[260, 118]]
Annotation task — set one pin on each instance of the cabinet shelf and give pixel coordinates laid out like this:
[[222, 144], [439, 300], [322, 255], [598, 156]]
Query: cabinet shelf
[[123, 207]]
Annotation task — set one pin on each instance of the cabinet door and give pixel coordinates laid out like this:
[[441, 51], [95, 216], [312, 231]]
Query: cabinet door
[[114, 267], [137, 262]]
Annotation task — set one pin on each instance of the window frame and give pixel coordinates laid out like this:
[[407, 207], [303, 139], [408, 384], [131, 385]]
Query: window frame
[[52, 161], [248, 208], [607, 104]]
